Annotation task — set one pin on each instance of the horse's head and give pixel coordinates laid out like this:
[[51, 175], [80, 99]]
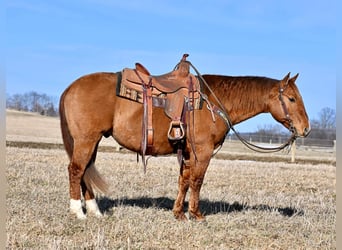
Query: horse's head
[[287, 107]]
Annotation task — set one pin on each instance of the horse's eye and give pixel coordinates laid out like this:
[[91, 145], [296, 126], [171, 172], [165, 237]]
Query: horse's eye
[[292, 99]]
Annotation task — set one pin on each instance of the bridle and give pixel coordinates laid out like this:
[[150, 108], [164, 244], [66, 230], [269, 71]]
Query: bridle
[[286, 111], [221, 112], [260, 149]]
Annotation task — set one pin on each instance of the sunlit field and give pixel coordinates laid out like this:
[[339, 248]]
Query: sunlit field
[[251, 201]]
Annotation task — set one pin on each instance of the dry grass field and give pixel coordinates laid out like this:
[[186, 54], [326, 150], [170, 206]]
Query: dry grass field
[[265, 203]]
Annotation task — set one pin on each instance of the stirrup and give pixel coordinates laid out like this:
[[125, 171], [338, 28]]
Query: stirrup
[[176, 128]]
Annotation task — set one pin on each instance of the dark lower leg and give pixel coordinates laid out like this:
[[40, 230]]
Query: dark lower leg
[[75, 175], [194, 210], [183, 186], [87, 192]]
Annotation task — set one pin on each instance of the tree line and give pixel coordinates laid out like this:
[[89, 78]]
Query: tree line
[[323, 127], [33, 102]]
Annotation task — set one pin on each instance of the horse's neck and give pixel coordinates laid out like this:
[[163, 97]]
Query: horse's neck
[[245, 97]]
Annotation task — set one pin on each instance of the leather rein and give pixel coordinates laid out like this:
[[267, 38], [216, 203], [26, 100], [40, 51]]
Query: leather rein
[[221, 112]]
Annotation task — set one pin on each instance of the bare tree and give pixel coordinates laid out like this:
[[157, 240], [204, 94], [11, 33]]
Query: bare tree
[[15, 102], [325, 126], [274, 129], [33, 102], [327, 118]]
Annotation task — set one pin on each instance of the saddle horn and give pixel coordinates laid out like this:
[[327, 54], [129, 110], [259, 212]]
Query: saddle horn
[[184, 57]]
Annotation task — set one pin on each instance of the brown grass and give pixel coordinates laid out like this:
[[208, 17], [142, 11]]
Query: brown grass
[[248, 205]]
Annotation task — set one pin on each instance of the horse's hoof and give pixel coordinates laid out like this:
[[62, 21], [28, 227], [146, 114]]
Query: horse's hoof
[[76, 209], [98, 214], [93, 209], [197, 217], [79, 216], [181, 217], [202, 221]]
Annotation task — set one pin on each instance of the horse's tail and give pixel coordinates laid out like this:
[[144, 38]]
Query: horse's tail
[[94, 180], [68, 141]]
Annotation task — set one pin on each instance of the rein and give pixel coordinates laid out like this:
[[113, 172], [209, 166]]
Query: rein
[[221, 112]]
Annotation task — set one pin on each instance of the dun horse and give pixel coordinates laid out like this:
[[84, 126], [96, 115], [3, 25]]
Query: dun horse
[[90, 108]]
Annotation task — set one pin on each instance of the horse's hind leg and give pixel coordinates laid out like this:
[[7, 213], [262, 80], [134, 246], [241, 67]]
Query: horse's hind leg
[[88, 195], [92, 179], [81, 157]]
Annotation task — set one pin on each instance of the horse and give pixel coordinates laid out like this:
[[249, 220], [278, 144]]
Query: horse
[[90, 109]]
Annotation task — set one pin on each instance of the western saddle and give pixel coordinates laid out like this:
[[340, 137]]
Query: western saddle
[[177, 92]]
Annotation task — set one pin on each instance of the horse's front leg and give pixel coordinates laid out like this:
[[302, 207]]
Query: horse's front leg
[[191, 175], [198, 169], [183, 186], [196, 180]]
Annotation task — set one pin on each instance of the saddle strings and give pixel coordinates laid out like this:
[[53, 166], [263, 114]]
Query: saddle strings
[[224, 115]]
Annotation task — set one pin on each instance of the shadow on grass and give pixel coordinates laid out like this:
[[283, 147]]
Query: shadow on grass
[[207, 207]]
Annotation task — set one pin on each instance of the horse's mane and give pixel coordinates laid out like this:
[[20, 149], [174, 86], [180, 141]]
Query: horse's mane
[[239, 82], [247, 93]]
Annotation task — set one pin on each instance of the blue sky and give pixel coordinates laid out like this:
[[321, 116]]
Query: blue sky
[[49, 44]]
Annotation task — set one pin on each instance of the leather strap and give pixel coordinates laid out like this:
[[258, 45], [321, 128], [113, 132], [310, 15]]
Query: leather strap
[[147, 128], [149, 118]]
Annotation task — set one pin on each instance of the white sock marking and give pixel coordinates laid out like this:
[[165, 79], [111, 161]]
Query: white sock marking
[[93, 208], [76, 208]]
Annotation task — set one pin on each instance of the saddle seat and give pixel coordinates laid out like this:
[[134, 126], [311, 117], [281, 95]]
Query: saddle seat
[[168, 90], [169, 82]]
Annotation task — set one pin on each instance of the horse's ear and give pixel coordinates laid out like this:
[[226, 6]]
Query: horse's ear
[[294, 78], [285, 81]]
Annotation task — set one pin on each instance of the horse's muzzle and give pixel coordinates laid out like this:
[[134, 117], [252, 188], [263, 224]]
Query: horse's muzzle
[[305, 133]]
